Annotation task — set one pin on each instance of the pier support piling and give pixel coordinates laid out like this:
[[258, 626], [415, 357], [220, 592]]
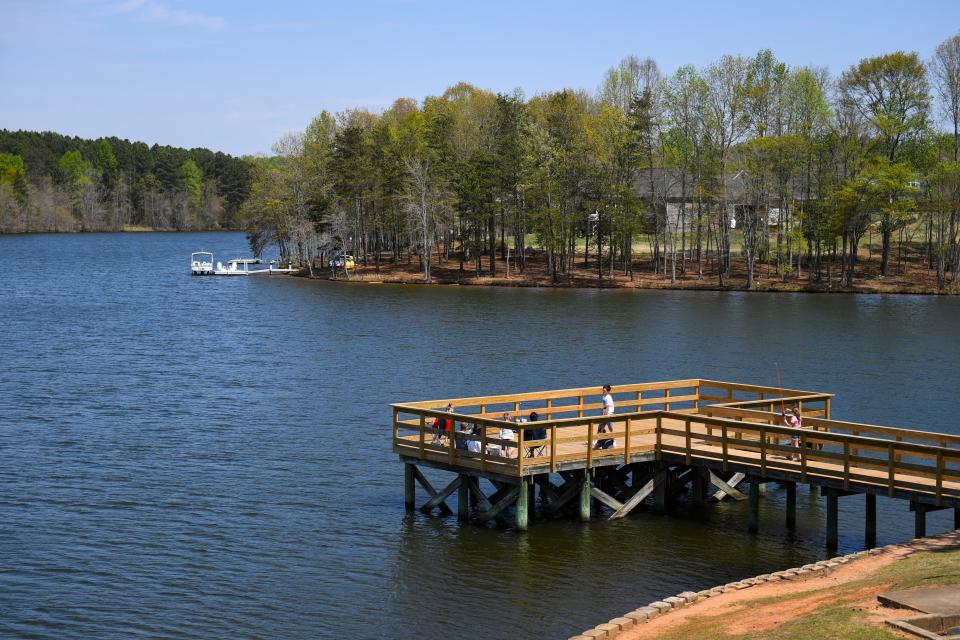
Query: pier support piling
[[463, 498], [585, 496], [409, 487], [523, 500], [700, 488], [660, 490], [870, 525], [791, 488], [754, 506], [833, 500], [919, 519]]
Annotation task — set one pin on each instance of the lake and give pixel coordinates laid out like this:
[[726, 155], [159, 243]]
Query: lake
[[210, 457]]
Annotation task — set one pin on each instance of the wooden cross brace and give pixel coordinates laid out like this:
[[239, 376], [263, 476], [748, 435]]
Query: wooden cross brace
[[436, 499], [726, 488]]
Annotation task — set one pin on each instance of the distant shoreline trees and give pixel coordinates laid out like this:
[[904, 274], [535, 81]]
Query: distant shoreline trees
[[747, 166], [51, 182], [748, 160]]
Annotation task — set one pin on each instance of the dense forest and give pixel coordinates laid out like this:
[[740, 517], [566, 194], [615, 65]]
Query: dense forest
[[51, 182], [743, 165]]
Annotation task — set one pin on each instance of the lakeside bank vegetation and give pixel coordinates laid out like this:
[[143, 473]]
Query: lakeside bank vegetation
[[720, 171], [55, 183]]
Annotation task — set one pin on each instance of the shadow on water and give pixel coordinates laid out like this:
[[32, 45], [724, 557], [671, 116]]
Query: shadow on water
[[206, 457]]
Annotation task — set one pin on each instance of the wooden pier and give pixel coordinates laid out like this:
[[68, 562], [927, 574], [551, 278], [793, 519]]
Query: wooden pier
[[703, 438]]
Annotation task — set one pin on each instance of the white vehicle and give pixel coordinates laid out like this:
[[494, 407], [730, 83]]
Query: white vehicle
[[201, 263]]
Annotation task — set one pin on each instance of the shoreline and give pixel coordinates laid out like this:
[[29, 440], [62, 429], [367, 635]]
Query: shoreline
[[578, 283], [769, 602]]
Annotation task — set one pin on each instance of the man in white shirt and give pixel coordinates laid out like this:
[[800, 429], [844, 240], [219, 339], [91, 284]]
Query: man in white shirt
[[608, 409]]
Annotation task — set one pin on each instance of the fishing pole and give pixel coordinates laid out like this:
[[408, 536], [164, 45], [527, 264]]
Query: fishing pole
[[780, 384]]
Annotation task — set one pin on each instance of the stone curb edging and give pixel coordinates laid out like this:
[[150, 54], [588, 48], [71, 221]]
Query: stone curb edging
[[614, 627]]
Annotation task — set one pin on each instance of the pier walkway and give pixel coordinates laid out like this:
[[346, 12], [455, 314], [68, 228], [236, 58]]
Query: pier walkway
[[693, 436]]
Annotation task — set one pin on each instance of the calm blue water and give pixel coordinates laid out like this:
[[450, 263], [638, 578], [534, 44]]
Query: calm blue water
[[210, 457]]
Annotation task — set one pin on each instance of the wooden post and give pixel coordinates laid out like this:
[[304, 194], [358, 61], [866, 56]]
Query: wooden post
[[409, 487], [522, 503], [463, 499], [585, 497], [396, 426], [659, 430], [919, 520], [870, 524], [553, 447], [589, 445], [832, 508], [660, 502], [532, 499], [423, 433], [754, 513], [626, 444], [791, 488], [700, 488]]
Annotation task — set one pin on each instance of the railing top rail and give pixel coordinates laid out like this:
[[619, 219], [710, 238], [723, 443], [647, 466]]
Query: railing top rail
[[739, 386], [517, 426], [849, 426], [773, 399], [621, 388], [817, 435], [555, 394]]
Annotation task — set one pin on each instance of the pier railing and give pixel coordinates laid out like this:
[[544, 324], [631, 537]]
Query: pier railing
[[727, 424], [502, 444], [852, 454]]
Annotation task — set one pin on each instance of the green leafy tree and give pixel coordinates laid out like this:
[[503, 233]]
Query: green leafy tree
[[190, 181], [14, 173], [892, 93]]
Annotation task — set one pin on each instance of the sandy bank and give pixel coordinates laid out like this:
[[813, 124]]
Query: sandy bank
[[833, 598]]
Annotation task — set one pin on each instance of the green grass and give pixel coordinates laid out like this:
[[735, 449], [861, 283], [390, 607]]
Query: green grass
[[840, 616]]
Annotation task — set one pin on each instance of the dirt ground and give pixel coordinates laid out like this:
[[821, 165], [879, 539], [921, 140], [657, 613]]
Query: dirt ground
[[750, 611], [909, 277]]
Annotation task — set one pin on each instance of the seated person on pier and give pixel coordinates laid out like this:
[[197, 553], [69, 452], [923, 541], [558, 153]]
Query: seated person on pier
[[535, 434], [506, 450], [461, 430], [473, 446]]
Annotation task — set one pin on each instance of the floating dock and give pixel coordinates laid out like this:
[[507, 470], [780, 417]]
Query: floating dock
[[695, 437]]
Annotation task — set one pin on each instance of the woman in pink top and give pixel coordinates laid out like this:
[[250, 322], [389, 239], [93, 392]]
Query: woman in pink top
[[791, 418]]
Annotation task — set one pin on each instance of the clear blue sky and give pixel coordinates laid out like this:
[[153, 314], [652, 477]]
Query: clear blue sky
[[234, 76]]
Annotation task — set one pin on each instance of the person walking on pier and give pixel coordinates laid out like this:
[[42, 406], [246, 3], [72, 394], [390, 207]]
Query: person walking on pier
[[605, 427]]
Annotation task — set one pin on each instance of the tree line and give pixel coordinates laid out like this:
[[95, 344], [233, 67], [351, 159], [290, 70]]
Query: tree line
[[52, 182], [745, 164]]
